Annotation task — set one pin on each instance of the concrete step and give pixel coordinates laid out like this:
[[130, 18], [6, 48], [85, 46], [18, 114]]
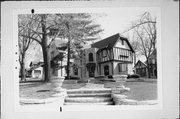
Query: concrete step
[[99, 103], [85, 91], [89, 95], [88, 99]]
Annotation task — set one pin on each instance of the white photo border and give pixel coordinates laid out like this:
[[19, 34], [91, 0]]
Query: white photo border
[[14, 11]]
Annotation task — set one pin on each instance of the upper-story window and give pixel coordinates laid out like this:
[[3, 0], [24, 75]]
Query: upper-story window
[[104, 53], [75, 71], [122, 42], [91, 57]]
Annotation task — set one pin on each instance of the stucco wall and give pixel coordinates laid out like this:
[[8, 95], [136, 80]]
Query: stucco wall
[[110, 68], [119, 44], [116, 70], [130, 68], [90, 50]]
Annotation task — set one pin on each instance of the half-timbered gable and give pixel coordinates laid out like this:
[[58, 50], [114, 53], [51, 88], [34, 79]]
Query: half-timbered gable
[[114, 48], [115, 53], [140, 64]]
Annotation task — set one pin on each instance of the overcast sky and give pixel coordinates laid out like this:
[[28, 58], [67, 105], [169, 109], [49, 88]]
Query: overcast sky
[[118, 20], [112, 20]]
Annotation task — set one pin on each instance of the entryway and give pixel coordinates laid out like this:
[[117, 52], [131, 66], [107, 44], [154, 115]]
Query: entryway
[[91, 71], [106, 70]]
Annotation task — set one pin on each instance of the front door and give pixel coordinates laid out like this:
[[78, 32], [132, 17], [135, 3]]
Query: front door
[[106, 70], [91, 71]]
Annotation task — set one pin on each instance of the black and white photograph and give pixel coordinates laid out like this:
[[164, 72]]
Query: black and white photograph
[[89, 58]]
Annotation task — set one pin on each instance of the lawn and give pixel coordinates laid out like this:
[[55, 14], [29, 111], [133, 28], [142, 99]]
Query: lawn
[[142, 90], [39, 90]]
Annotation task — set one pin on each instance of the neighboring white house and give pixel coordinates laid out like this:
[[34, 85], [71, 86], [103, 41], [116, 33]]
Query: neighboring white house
[[37, 72], [36, 69]]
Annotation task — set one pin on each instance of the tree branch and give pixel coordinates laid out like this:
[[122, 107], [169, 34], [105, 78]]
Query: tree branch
[[137, 25], [31, 38]]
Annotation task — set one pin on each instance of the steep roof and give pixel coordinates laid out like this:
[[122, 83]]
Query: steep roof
[[110, 42], [139, 62]]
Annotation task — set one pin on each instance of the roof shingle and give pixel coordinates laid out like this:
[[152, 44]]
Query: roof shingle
[[110, 42]]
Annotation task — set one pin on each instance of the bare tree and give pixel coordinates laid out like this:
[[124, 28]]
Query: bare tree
[[24, 42], [39, 30], [74, 27], [144, 36]]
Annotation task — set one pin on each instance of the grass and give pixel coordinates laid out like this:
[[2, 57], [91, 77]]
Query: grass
[[40, 90], [142, 90]]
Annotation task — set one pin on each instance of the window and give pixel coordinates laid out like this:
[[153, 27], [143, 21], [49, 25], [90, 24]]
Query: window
[[91, 57], [106, 70], [122, 67], [75, 71], [104, 53], [122, 42]]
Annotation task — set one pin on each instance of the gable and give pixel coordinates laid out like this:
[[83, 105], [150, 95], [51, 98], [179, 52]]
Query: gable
[[113, 41], [122, 44], [140, 64], [107, 42]]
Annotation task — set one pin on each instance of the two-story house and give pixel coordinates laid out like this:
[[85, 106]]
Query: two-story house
[[110, 56]]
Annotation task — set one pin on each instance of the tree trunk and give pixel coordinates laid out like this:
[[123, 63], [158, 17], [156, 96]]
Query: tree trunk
[[23, 72], [148, 68], [134, 59], [61, 68], [45, 49], [81, 67], [68, 61], [47, 68]]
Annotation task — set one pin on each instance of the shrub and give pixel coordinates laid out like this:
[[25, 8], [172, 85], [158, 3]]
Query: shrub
[[72, 78], [110, 77], [128, 76], [133, 76]]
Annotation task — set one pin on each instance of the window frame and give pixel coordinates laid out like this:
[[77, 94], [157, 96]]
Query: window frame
[[91, 57], [122, 66]]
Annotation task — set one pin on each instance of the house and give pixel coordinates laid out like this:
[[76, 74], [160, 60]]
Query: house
[[141, 68], [110, 56], [58, 52], [36, 69]]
